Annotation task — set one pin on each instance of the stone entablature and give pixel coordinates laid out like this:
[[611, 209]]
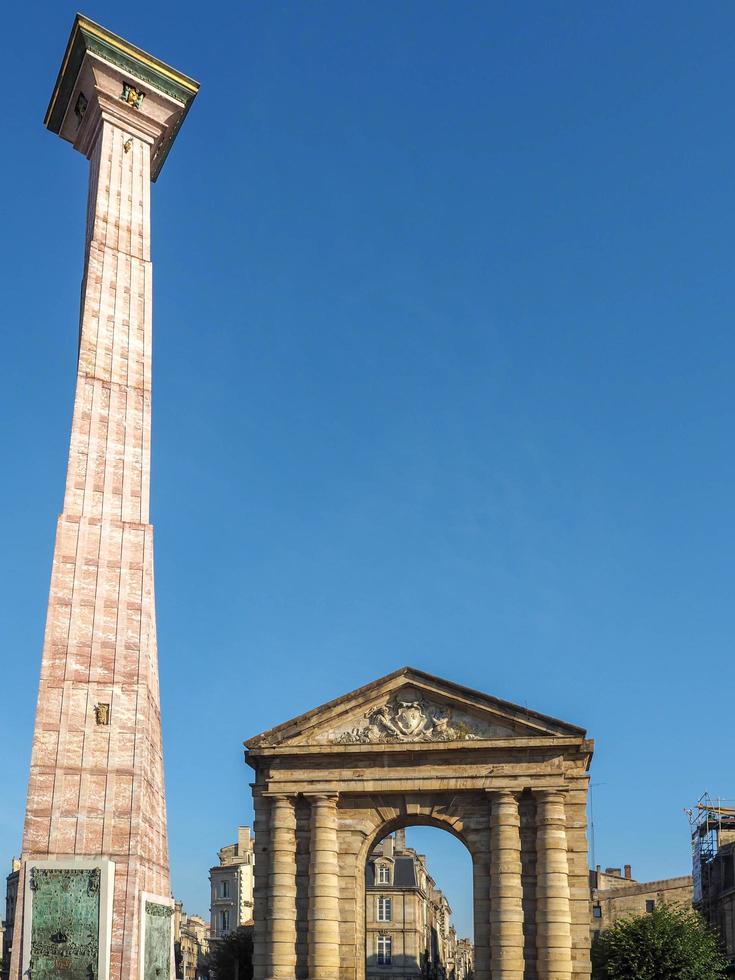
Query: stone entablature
[[515, 795]]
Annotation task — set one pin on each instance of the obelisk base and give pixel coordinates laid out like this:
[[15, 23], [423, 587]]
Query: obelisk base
[[67, 917]]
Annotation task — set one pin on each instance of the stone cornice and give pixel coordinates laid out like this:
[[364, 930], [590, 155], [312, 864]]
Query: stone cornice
[[90, 41], [401, 784], [534, 742]]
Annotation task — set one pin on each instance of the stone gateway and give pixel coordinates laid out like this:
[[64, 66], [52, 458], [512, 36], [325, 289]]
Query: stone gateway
[[412, 749]]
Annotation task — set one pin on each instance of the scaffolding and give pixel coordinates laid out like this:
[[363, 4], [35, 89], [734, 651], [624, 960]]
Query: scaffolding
[[711, 822]]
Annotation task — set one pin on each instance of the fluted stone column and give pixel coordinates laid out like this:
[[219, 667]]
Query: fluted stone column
[[261, 828], [481, 908], [323, 953], [282, 891], [506, 893], [553, 910]]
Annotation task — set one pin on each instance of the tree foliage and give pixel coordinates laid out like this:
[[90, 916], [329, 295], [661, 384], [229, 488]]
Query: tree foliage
[[669, 943], [232, 957]]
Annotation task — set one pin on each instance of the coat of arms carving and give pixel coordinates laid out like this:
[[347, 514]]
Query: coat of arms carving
[[410, 717]]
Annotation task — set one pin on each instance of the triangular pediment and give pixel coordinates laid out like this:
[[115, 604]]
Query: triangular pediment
[[411, 706]]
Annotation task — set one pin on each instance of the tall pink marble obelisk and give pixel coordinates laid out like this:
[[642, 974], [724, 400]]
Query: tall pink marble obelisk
[[94, 896]]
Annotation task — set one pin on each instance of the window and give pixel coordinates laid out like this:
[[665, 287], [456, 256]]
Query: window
[[224, 889], [650, 905], [728, 878], [383, 874], [384, 909], [385, 950], [224, 922], [597, 911]]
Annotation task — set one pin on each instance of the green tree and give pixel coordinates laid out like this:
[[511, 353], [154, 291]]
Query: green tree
[[669, 943], [231, 958]]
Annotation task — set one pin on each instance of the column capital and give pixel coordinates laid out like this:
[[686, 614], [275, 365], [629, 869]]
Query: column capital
[[504, 795], [552, 795], [283, 812], [104, 77], [323, 799]]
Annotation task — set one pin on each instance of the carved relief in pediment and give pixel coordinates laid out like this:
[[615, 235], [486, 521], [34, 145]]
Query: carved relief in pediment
[[410, 716]]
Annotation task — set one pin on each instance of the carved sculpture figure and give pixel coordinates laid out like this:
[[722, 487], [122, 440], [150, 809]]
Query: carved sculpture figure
[[132, 95], [102, 714]]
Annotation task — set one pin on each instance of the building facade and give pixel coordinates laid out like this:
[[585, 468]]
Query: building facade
[[231, 884], [191, 945], [614, 893], [11, 901], [464, 960], [718, 895], [408, 930], [713, 866]]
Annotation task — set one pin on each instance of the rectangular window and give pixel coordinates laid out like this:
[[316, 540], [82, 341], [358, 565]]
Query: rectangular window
[[384, 909], [383, 874], [385, 950], [650, 905], [225, 889], [597, 911], [224, 922], [728, 878]]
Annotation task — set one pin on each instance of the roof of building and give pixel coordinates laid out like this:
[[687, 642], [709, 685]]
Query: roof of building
[[404, 873]]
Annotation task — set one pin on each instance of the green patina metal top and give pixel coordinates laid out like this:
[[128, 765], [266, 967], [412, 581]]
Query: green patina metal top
[[87, 36]]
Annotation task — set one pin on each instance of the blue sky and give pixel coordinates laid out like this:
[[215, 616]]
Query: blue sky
[[443, 362]]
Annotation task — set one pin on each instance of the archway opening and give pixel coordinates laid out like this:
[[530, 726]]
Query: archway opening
[[419, 907]]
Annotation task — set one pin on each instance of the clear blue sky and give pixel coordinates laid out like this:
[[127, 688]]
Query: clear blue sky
[[443, 376]]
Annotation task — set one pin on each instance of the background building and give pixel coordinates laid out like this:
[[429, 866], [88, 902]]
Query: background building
[[713, 866], [464, 960], [191, 945], [11, 899], [615, 893], [408, 930], [232, 886]]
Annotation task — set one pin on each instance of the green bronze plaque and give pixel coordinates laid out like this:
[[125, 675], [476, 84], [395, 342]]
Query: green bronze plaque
[[157, 962], [65, 921]]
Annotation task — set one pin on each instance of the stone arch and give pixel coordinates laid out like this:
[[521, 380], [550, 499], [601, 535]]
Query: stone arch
[[413, 749], [400, 814]]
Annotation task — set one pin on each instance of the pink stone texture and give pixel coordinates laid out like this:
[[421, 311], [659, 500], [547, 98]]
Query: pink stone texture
[[98, 789]]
